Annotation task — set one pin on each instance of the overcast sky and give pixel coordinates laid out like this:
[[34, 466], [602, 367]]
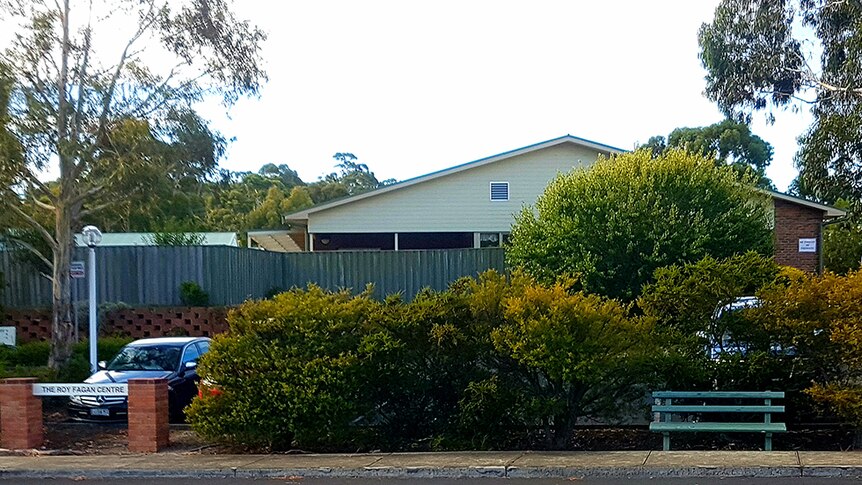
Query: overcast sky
[[411, 87]]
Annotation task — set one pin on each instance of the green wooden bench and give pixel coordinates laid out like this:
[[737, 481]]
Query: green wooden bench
[[666, 406]]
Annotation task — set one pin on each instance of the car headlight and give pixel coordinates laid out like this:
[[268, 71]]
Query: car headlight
[[75, 399]]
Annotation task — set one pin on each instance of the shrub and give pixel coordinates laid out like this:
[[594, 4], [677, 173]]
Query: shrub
[[489, 363], [683, 299], [287, 370], [192, 294], [590, 357], [30, 359], [613, 224], [821, 318]]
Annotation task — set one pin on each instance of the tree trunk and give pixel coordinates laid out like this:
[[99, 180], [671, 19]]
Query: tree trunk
[[565, 423], [62, 328]]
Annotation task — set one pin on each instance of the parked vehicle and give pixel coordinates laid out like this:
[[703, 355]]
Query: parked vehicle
[[721, 340], [171, 358]]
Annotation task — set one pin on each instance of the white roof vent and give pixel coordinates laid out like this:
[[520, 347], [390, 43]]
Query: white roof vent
[[499, 190]]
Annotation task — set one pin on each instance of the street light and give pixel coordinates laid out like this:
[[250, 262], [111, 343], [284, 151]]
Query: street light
[[92, 237]]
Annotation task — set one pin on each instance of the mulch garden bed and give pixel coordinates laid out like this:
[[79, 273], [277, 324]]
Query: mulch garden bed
[[65, 437]]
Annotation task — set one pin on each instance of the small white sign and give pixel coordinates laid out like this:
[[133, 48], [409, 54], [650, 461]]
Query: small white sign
[[7, 336], [808, 245], [80, 389], [77, 270]]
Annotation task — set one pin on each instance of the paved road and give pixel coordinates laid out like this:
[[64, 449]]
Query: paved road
[[447, 481]]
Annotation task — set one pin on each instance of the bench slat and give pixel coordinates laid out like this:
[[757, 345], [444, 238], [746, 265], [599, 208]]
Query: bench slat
[[727, 427], [717, 394], [716, 409]]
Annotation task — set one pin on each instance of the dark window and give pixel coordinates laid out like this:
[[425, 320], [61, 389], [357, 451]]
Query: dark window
[[489, 240], [435, 240], [191, 354], [353, 241], [203, 347]]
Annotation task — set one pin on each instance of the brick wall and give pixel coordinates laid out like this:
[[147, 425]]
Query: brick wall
[[792, 222], [159, 322], [34, 325], [20, 415]]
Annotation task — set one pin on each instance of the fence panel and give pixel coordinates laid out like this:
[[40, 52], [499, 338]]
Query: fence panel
[[406, 272], [151, 275]]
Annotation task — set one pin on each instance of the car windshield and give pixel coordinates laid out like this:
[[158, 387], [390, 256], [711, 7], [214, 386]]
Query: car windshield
[[151, 357]]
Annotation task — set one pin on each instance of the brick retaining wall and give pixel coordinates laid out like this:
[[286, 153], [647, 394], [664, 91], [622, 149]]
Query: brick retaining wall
[[35, 325]]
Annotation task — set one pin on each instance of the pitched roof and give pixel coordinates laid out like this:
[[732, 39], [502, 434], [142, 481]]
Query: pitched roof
[[145, 239], [828, 210], [303, 214]]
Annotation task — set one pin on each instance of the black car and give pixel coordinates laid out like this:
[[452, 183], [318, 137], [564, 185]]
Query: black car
[[171, 358]]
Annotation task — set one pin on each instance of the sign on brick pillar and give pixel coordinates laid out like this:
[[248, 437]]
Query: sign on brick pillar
[[20, 415], [148, 415]]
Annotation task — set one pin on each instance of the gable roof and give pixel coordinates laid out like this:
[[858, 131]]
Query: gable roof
[[299, 216], [303, 214]]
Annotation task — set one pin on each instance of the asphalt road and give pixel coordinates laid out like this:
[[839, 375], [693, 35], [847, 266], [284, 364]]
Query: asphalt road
[[446, 481]]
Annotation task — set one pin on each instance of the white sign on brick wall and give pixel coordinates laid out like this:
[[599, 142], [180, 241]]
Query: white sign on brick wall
[[807, 245], [7, 336], [80, 389]]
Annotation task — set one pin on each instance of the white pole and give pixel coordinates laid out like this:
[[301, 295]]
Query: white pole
[[94, 366]]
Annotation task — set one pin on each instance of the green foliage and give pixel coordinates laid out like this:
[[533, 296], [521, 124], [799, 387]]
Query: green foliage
[[116, 129], [684, 297], [192, 294], [176, 239], [728, 142], [683, 300], [592, 356], [287, 370], [613, 224], [842, 246], [767, 55], [312, 368], [746, 69], [30, 359], [820, 317]]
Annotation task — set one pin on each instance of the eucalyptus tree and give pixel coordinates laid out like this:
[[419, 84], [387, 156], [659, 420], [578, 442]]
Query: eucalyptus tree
[[102, 95], [767, 55]]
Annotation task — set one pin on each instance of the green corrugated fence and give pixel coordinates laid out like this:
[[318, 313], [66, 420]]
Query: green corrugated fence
[[152, 275]]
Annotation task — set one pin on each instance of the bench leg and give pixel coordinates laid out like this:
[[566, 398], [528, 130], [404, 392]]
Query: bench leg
[[665, 441], [768, 445]]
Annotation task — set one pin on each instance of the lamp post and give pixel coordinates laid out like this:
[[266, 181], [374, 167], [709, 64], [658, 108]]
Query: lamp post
[[92, 236]]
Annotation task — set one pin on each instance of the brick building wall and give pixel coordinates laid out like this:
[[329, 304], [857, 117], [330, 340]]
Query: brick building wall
[[35, 325], [794, 222]]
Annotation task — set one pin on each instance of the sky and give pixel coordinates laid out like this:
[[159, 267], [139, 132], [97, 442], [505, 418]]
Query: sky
[[414, 87]]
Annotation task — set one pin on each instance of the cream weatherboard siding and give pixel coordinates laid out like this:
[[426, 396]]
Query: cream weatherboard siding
[[458, 202]]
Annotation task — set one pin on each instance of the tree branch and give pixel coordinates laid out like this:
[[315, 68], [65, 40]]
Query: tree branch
[[33, 222], [39, 184], [29, 247], [112, 86], [82, 76], [87, 194], [43, 205], [96, 208]]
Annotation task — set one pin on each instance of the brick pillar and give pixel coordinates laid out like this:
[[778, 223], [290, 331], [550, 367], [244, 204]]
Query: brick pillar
[[20, 415], [148, 415]]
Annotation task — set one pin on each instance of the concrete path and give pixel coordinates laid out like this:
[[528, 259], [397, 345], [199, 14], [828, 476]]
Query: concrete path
[[444, 465]]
